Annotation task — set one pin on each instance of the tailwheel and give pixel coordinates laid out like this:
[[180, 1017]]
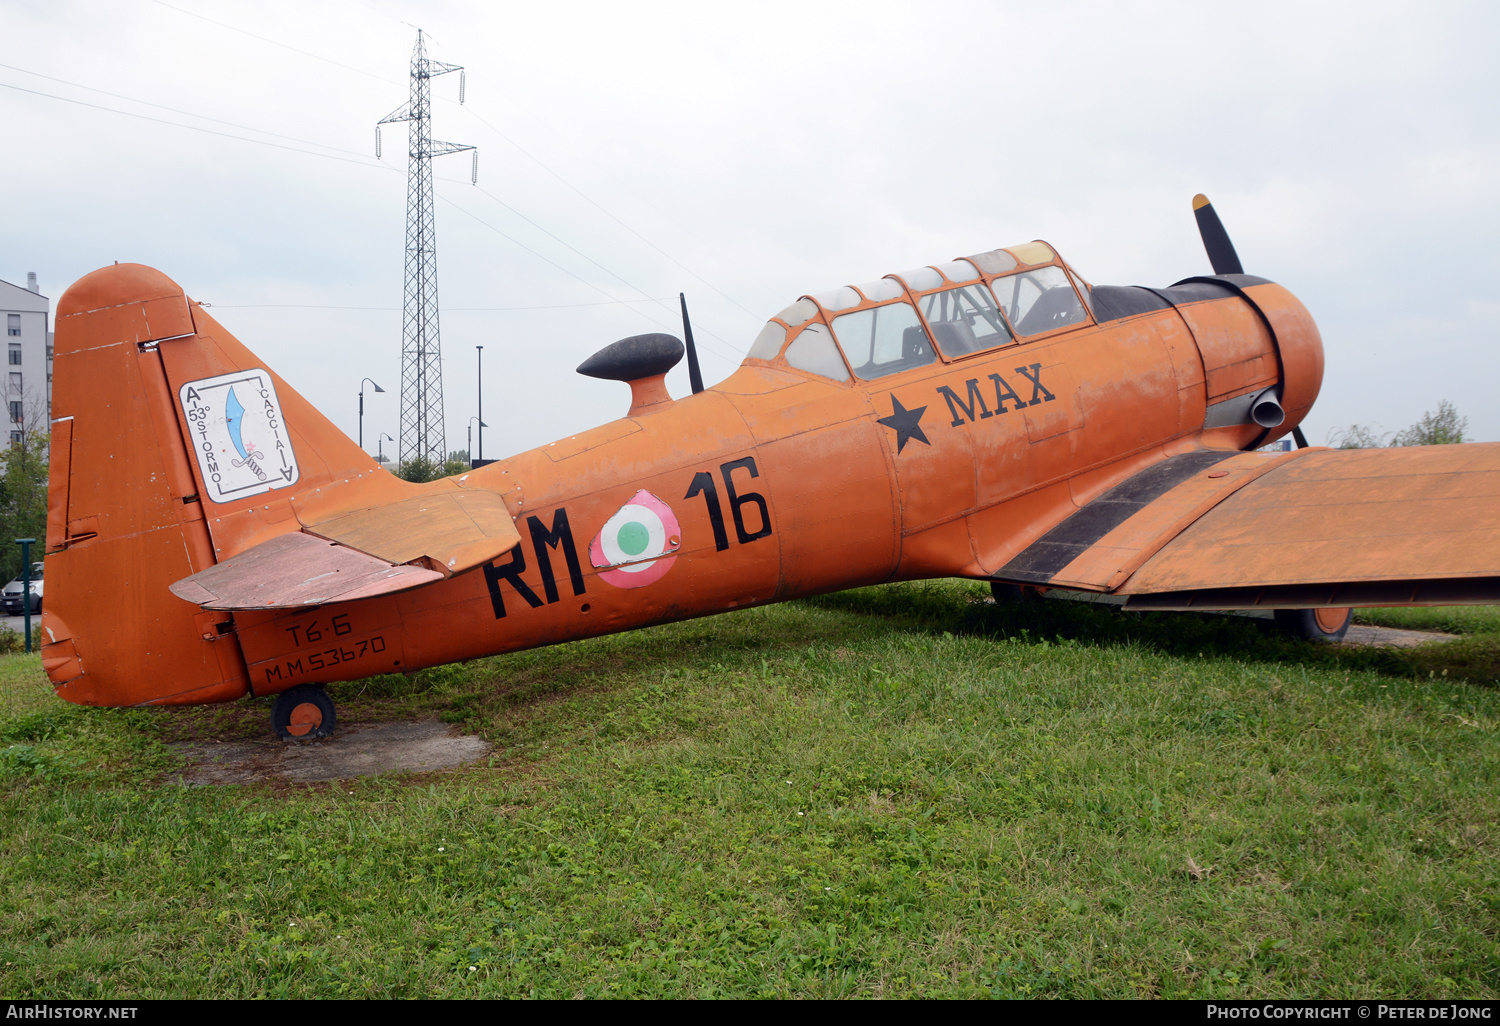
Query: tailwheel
[[1327, 624], [303, 713]]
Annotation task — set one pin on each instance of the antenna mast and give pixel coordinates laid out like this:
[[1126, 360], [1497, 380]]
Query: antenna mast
[[422, 424]]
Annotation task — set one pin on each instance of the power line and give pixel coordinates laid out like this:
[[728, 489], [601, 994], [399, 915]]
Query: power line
[[529, 155], [227, 135], [539, 256], [174, 110], [776, 296], [612, 217], [447, 309], [584, 153], [273, 42], [362, 163], [732, 354], [196, 128], [732, 357], [585, 256]]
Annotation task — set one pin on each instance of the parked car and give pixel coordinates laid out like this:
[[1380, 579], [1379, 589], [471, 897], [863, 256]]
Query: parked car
[[12, 594]]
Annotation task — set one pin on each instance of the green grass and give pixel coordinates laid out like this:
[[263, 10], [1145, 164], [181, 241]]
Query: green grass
[[1475, 656], [891, 792], [1453, 619]]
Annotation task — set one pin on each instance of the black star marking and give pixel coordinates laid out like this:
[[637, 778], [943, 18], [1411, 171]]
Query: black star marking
[[906, 423]]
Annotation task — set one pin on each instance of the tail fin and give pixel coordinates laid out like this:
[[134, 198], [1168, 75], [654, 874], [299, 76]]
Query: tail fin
[[172, 448]]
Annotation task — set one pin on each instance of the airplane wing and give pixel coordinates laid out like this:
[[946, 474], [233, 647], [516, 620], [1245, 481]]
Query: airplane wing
[[1314, 527], [360, 554]]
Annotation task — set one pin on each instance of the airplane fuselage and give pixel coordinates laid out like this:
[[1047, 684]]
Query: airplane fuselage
[[787, 485], [899, 430]]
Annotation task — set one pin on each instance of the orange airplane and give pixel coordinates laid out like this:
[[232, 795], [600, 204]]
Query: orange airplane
[[211, 536]]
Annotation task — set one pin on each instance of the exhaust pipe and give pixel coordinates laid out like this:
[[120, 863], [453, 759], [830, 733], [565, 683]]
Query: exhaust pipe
[[1265, 408]]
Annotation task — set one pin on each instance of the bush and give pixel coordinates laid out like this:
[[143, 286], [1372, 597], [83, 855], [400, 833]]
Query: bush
[[422, 469], [1445, 427]]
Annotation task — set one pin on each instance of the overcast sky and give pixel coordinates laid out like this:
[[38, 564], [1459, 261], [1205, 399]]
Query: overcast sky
[[747, 154]]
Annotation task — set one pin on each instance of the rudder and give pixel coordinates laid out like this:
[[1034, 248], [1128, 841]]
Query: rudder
[[124, 516], [174, 449]]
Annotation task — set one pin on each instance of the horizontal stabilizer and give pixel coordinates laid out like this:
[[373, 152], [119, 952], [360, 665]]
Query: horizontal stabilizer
[[295, 570], [451, 531]]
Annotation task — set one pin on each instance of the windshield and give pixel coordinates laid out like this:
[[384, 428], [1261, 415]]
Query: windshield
[[36, 575], [814, 352]]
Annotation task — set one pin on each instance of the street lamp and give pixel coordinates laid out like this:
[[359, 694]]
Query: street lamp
[[362, 408], [380, 448], [482, 426], [479, 379]]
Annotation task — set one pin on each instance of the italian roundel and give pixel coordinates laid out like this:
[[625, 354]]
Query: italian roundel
[[638, 544]]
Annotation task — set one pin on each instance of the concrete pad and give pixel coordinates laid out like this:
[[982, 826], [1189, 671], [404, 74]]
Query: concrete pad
[[1392, 637], [357, 751]]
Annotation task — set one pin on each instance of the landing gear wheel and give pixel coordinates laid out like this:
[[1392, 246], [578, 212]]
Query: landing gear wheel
[[1328, 624], [1006, 593], [303, 713]]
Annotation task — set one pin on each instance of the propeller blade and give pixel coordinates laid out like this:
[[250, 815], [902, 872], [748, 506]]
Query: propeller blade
[[695, 376], [1221, 252]]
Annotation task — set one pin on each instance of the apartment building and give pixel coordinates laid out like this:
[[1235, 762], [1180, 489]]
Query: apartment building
[[28, 356]]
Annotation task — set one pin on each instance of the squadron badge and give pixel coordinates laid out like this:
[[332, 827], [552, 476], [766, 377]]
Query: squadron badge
[[237, 432]]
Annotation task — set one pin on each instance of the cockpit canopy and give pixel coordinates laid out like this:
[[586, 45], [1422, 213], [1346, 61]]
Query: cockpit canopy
[[906, 320]]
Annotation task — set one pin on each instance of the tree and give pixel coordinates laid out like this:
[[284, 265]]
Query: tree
[[1356, 436], [1445, 427], [23, 501], [422, 469], [419, 470], [458, 463]]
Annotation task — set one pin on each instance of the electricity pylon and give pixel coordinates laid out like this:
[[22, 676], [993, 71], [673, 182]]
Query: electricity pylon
[[422, 425]]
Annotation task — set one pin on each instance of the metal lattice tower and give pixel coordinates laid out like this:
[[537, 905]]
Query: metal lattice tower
[[422, 424]]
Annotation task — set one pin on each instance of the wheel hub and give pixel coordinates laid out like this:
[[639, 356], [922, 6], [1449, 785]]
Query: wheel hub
[[305, 719], [1330, 620]]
